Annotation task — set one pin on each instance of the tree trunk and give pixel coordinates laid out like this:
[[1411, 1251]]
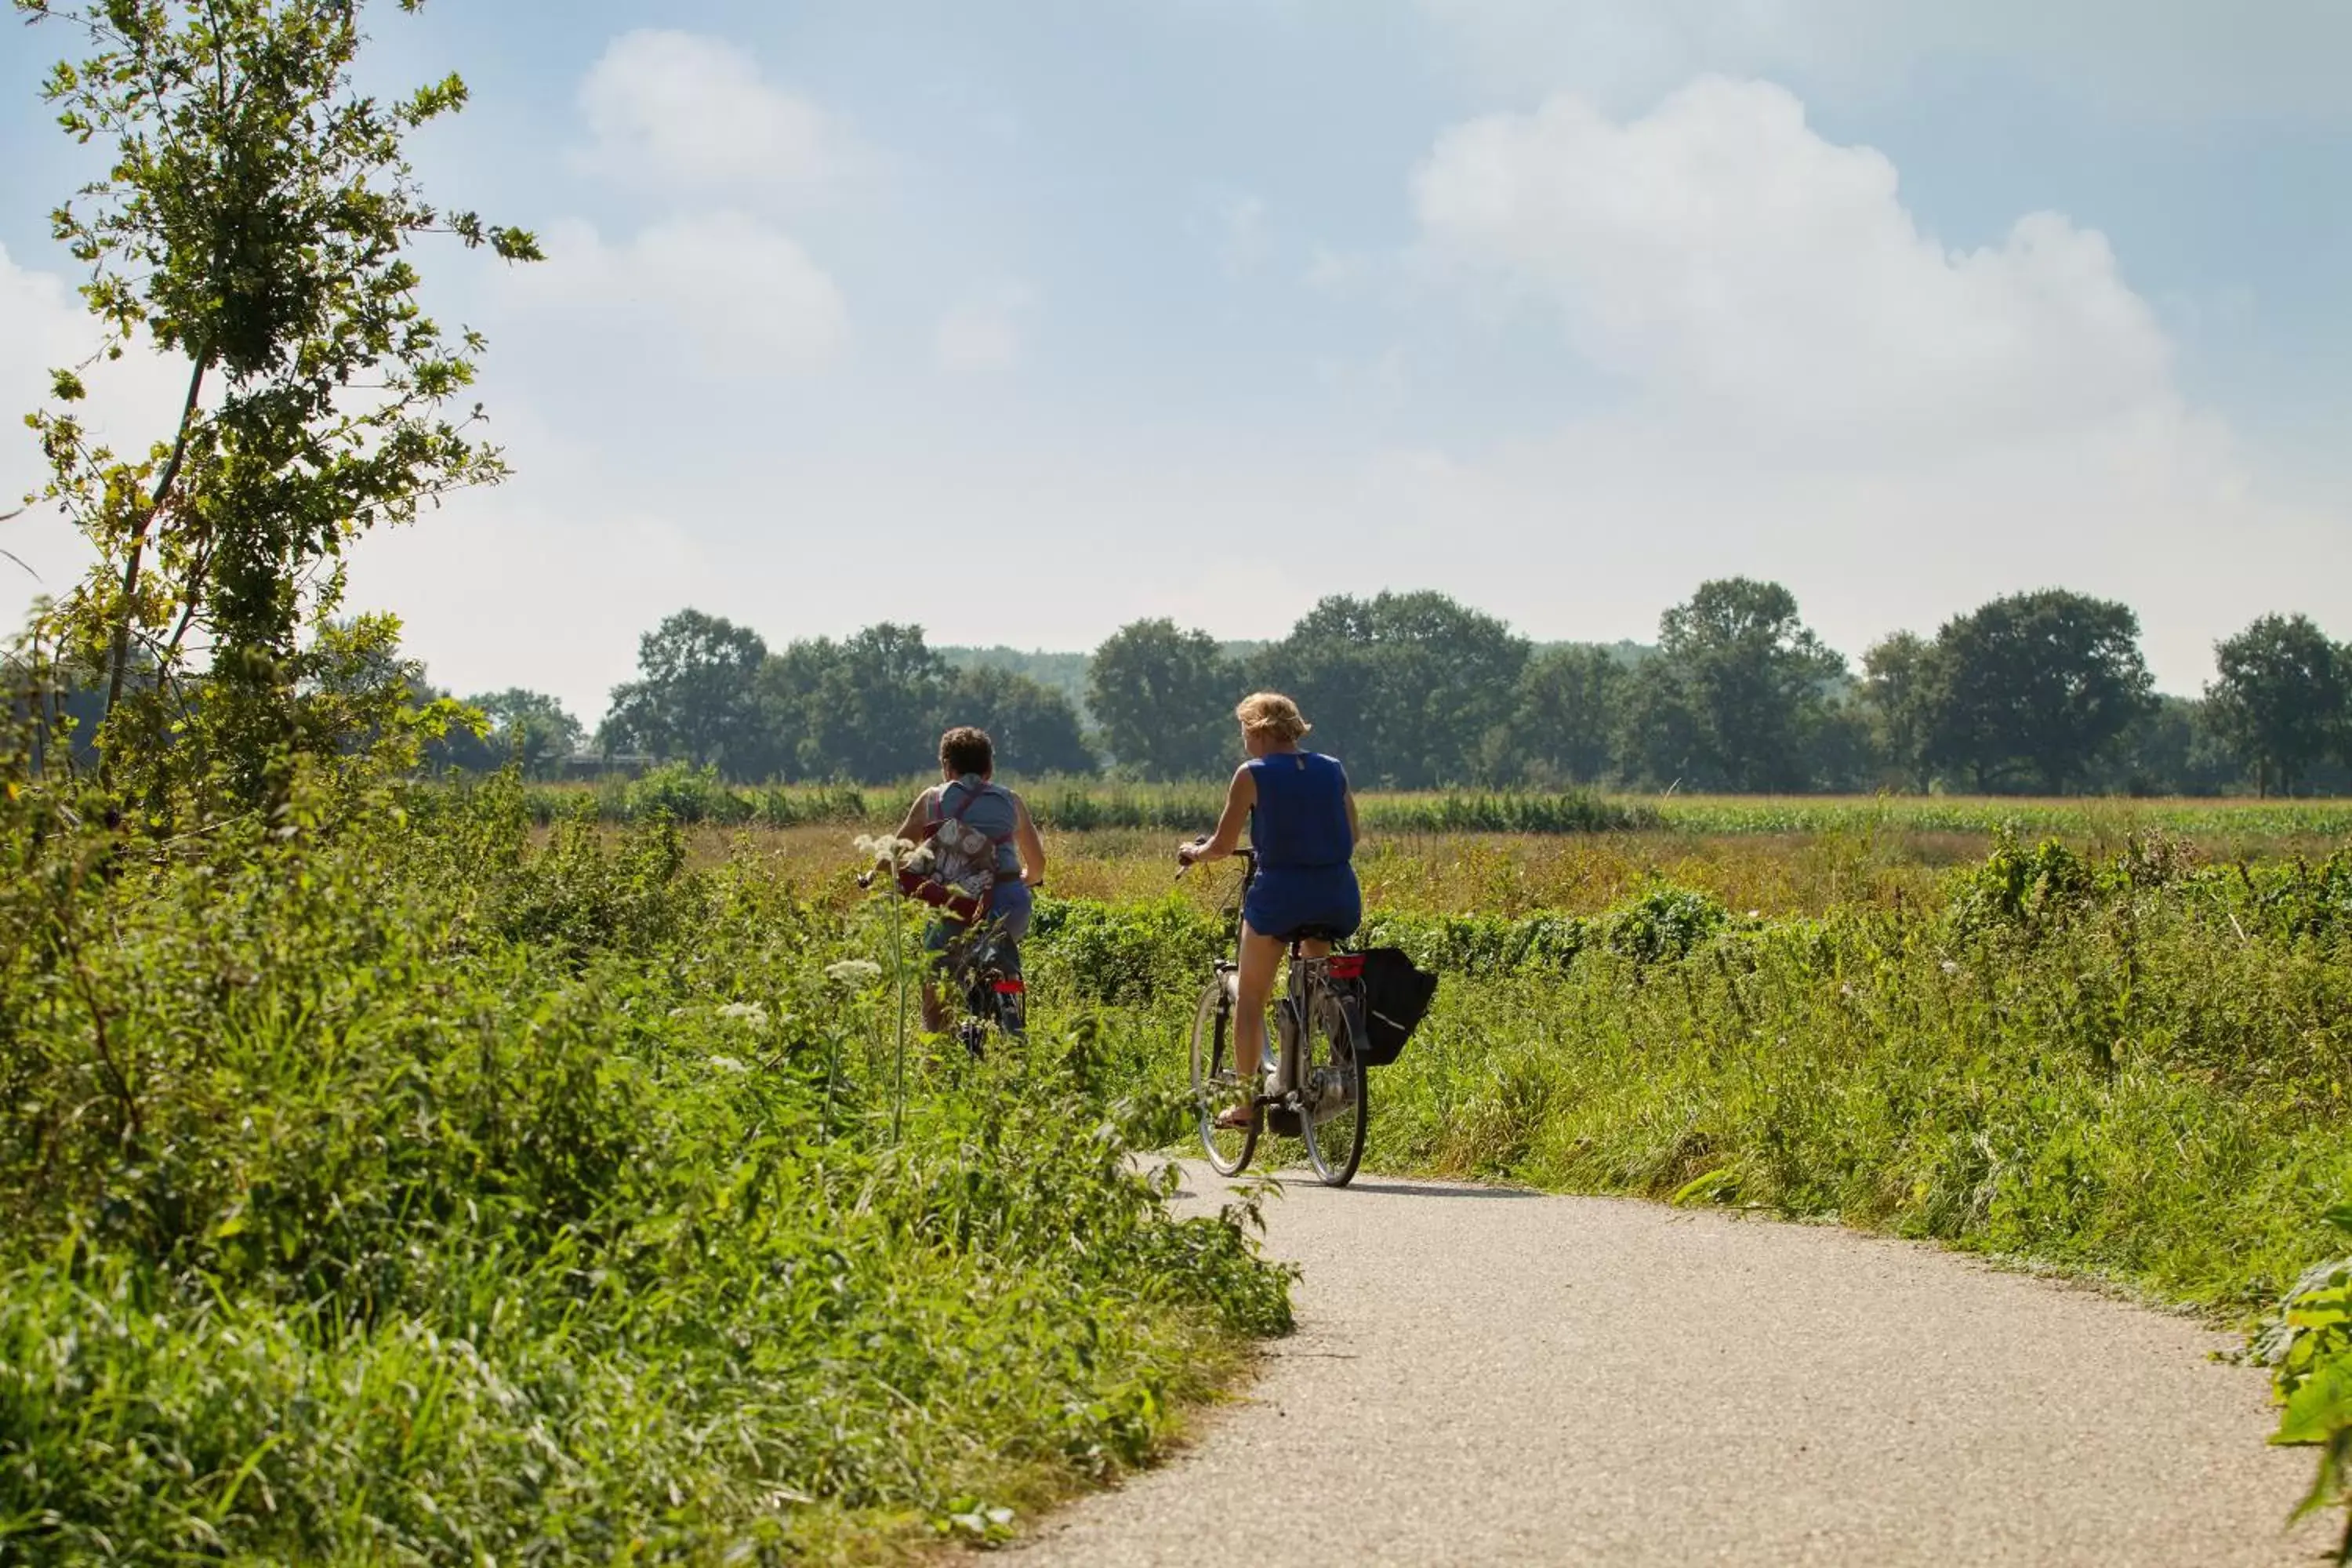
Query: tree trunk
[[119, 655]]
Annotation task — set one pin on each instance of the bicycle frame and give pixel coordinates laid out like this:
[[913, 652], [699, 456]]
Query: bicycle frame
[[990, 995], [1280, 1087]]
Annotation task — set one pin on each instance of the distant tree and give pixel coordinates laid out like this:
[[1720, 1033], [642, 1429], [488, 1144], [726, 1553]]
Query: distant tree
[[1062, 672], [529, 727], [1753, 678], [1900, 690], [1658, 729], [2172, 749], [1410, 690], [1842, 750], [693, 697], [878, 706], [2282, 700], [1568, 708], [785, 697], [1163, 700], [1034, 727], [2037, 686]]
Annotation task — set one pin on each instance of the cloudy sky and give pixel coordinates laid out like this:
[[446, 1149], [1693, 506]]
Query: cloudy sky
[[1208, 308]]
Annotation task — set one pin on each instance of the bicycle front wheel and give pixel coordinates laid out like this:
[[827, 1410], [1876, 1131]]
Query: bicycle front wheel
[[1333, 1089], [1216, 1087]]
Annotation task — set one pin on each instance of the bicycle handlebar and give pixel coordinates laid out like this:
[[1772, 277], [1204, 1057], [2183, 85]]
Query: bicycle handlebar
[[1240, 852]]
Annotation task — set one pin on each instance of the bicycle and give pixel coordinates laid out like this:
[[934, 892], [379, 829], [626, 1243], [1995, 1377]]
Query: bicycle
[[1313, 1086], [995, 995], [981, 966]]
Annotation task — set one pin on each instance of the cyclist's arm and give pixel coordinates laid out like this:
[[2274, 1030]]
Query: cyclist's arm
[[1031, 843], [1239, 798], [1355, 834], [917, 815]]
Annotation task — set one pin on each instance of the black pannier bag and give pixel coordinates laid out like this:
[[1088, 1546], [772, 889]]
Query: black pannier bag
[[1396, 998]]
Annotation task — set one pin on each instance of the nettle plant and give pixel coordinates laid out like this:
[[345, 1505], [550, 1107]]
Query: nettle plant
[[254, 221]]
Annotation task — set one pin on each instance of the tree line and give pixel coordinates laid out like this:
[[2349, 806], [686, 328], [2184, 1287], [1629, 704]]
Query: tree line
[[2044, 691]]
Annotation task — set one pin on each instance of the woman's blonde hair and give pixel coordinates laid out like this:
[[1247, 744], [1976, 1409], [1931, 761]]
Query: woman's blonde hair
[[1272, 713]]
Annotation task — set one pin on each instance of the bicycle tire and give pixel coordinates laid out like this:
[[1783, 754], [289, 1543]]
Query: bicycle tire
[[1333, 1042], [1216, 1085]]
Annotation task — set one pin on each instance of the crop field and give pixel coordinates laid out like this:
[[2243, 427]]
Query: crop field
[[1773, 857], [2227, 825]]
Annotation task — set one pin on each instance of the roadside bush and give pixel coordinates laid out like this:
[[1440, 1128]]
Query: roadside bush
[[375, 1187], [2308, 1347]]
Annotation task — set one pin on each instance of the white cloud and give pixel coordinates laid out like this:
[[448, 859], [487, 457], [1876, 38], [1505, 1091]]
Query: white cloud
[[1720, 253], [670, 108], [133, 402], [2145, 57], [986, 333], [741, 292], [1816, 391]]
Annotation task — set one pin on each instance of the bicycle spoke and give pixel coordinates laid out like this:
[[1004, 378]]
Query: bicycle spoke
[[1333, 1084], [1215, 1086]]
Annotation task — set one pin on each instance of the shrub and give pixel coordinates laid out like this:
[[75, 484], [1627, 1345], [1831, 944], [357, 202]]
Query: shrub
[[377, 1187]]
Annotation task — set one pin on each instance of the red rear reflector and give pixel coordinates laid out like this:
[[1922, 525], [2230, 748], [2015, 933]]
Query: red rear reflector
[[1346, 966], [1010, 989]]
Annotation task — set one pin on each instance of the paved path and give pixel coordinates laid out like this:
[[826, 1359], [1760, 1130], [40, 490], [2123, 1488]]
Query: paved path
[[1490, 1377]]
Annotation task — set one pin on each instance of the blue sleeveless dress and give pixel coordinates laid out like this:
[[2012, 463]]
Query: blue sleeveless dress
[[1299, 827]]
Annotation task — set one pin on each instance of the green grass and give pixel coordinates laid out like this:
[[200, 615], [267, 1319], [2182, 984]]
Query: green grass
[[422, 1184], [1081, 805], [1060, 804], [2105, 818], [2134, 1066], [392, 1192]]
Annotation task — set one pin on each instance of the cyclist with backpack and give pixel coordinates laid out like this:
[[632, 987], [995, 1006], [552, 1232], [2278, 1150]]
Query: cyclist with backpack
[[1301, 816], [982, 855]]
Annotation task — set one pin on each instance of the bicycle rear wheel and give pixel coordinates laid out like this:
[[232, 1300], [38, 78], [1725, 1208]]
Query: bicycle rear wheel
[[1216, 1085], [1333, 1089]]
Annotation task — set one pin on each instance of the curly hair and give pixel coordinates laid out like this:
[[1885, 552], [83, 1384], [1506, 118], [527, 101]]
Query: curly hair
[[964, 750]]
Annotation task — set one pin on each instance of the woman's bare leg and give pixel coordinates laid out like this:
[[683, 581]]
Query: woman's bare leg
[[1253, 988]]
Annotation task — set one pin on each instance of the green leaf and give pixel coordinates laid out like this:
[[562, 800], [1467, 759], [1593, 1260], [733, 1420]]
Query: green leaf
[[2318, 1410]]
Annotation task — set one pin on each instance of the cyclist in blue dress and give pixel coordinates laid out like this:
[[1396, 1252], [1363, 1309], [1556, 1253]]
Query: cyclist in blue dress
[[1302, 821]]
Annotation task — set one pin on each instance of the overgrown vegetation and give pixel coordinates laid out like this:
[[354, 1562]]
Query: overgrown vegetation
[[376, 1187], [2132, 1065], [1065, 805]]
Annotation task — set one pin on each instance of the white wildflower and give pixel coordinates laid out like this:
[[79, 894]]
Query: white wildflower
[[728, 1064], [854, 972], [751, 1013], [1951, 968], [885, 847]]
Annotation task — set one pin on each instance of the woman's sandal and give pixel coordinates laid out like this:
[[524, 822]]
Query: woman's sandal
[[1236, 1119]]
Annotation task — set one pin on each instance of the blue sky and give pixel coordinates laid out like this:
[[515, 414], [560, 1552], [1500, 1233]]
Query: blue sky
[[1024, 320]]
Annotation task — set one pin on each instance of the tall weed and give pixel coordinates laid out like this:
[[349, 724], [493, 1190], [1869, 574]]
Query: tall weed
[[376, 1186]]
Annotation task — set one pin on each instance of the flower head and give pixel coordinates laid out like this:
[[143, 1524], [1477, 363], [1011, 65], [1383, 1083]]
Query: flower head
[[885, 847]]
